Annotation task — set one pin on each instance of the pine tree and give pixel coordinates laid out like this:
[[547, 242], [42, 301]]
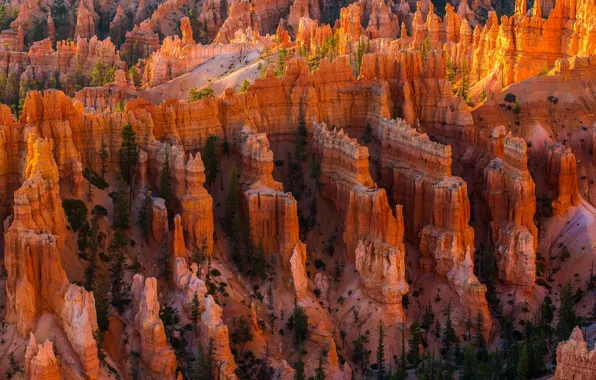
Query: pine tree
[[566, 316], [301, 134], [450, 339], [265, 371], [210, 159], [298, 323], [280, 67], [425, 49], [381, 352], [299, 370], [195, 310], [414, 343], [165, 182], [427, 318], [129, 153], [231, 206], [451, 73], [320, 371], [361, 353], [464, 87], [478, 335], [102, 305], [164, 256], [121, 213], [144, 213], [467, 371], [117, 269], [522, 364]]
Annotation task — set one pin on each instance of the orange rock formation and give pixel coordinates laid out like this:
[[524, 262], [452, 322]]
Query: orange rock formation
[[510, 196], [574, 361], [156, 354], [561, 171], [373, 235], [40, 361]]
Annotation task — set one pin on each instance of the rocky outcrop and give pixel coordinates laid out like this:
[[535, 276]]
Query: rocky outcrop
[[79, 321], [272, 214], [40, 361], [574, 361], [87, 20], [217, 332], [51, 113], [382, 270], [197, 207], [155, 353], [36, 281], [159, 220], [139, 43], [510, 196], [263, 15], [373, 235], [525, 43], [435, 206], [177, 57], [561, 172], [211, 18]]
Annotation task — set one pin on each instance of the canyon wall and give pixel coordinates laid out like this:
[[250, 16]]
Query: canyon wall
[[509, 192], [372, 233], [435, 206]]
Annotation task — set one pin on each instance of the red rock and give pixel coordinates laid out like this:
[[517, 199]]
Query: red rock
[[87, 20], [435, 206], [140, 43], [215, 329], [509, 193], [561, 171], [574, 361], [40, 361], [155, 352], [186, 30], [159, 220]]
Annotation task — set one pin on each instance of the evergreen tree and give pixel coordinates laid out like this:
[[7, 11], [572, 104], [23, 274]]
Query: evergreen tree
[[165, 183], [464, 87], [467, 371], [301, 134], [298, 323], [121, 213], [280, 67], [381, 352], [144, 216], [522, 364], [566, 317], [231, 218], [265, 371], [299, 369], [210, 159], [240, 333], [117, 250], [450, 340], [427, 318], [451, 72], [195, 310], [414, 343], [164, 256], [320, 371], [129, 153], [102, 305], [361, 353], [425, 49]]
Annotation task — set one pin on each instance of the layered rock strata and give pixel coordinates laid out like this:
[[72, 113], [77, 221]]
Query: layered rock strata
[[372, 233], [40, 361], [155, 353], [561, 172], [36, 281], [574, 360], [510, 196], [273, 214], [435, 206]]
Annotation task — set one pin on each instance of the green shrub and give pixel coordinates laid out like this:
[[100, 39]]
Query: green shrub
[[96, 180], [76, 212]]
